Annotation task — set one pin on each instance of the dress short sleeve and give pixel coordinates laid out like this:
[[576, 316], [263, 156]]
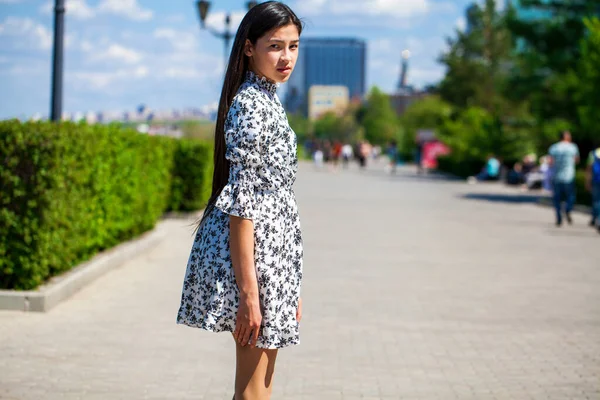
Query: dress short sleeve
[[244, 131]]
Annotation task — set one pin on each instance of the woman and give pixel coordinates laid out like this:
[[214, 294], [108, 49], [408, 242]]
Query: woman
[[245, 267]]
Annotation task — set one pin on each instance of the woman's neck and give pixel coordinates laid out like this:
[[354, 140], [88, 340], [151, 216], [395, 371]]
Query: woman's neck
[[261, 76]]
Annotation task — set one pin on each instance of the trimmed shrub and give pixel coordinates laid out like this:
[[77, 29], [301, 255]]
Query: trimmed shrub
[[461, 168], [192, 175], [70, 190], [583, 196]]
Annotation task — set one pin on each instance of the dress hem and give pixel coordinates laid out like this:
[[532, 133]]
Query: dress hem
[[202, 326]]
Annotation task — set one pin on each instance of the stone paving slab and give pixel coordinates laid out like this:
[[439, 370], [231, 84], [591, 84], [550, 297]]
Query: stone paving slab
[[414, 288]]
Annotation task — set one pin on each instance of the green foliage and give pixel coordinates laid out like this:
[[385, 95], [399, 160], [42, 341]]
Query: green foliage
[[550, 59], [300, 125], [552, 38], [429, 113], [583, 195], [462, 168], [326, 126], [476, 58], [344, 127], [549, 132], [70, 190], [472, 135], [199, 130], [380, 121], [588, 87], [518, 79], [475, 134], [192, 175]]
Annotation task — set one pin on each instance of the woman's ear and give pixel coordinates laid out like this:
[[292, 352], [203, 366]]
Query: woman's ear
[[248, 48]]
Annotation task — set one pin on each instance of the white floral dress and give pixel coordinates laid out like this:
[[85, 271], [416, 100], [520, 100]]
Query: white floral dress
[[261, 149]]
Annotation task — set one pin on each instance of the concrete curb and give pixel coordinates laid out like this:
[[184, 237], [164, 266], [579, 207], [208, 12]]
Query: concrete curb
[[64, 286]]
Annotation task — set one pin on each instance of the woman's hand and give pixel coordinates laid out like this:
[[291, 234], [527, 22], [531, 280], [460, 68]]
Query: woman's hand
[[241, 244], [299, 310], [247, 324]]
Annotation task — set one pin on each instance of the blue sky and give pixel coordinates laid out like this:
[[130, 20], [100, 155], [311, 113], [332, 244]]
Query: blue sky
[[121, 53]]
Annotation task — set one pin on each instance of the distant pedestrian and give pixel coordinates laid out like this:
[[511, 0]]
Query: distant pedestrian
[[419, 145], [564, 155], [318, 158], [491, 170], [593, 185], [392, 153], [244, 271], [347, 154]]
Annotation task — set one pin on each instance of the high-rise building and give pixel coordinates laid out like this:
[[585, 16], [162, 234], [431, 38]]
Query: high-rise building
[[330, 62]]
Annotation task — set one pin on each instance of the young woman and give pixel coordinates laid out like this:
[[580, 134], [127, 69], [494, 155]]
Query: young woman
[[245, 268]]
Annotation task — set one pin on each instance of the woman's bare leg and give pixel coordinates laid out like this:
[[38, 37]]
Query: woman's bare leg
[[254, 373]]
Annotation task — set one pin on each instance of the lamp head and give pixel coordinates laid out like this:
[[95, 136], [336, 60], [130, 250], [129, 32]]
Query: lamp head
[[203, 7]]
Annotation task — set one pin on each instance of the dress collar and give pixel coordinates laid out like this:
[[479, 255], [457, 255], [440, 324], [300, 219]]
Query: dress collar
[[262, 82]]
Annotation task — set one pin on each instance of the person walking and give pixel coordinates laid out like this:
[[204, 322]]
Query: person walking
[[593, 186], [392, 153], [564, 155], [245, 267]]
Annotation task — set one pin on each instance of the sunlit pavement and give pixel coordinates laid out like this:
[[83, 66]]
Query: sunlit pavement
[[414, 288]]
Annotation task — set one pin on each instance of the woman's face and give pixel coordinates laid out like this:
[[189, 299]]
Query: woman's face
[[275, 53]]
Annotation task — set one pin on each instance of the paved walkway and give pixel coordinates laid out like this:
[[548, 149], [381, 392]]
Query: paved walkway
[[415, 288]]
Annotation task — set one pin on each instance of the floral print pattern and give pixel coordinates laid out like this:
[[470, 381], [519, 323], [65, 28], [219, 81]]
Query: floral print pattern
[[261, 149]]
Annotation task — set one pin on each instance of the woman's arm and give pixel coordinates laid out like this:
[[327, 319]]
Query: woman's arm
[[241, 244]]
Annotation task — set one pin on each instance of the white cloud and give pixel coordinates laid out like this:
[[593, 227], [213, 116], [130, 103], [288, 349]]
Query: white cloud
[[103, 80], [184, 41], [216, 20], [175, 18], [461, 24], [78, 9], [85, 46], [126, 8], [181, 73], [115, 52], [26, 32], [407, 8]]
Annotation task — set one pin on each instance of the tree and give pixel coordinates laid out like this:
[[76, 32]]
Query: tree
[[300, 125], [379, 120], [588, 87], [547, 43], [428, 113], [476, 60], [343, 127]]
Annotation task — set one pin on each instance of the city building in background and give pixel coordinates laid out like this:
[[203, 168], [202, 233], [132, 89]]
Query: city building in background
[[323, 99], [327, 62]]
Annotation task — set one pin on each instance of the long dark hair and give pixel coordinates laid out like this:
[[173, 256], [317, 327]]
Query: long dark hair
[[258, 21]]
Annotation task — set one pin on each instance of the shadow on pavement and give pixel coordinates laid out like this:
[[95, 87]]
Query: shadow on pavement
[[504, 198]]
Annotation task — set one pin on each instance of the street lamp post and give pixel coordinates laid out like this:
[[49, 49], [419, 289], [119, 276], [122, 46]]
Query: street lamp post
[[203, 7], [57, 68]]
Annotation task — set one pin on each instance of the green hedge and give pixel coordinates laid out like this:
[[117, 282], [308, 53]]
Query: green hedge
[[461, 168], [583, 196], [71, 190], [192, 175]]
